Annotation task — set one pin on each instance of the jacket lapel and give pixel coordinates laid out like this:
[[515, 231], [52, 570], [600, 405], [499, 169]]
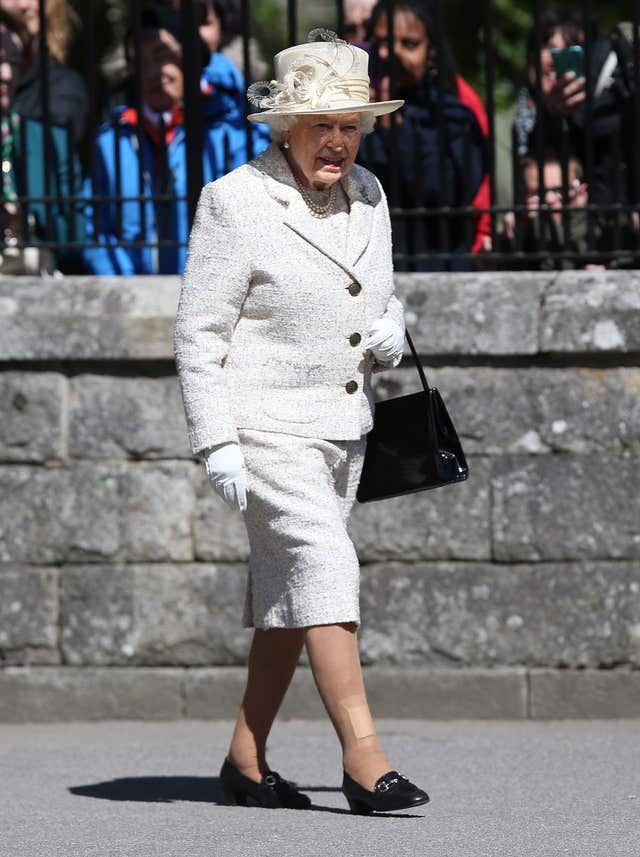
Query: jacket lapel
[[281, 185], [361, 216]]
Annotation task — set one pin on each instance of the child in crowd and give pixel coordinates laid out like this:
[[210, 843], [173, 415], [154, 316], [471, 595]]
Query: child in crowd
[[147, 184]]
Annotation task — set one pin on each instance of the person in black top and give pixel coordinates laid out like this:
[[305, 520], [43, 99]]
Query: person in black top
[[68, 101]]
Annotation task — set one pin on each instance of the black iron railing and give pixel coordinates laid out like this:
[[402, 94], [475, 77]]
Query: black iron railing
[[83, 199]]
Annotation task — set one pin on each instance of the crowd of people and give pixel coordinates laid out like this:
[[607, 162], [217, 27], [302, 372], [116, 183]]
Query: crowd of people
[[117, 204]]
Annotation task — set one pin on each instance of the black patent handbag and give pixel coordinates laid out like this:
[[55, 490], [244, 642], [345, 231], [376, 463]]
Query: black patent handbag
[[413, 445]]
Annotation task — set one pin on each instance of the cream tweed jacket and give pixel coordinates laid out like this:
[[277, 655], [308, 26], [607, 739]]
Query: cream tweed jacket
[[271, 322]]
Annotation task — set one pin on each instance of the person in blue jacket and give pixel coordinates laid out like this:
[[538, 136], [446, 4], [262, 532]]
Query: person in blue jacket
[[142, 223]]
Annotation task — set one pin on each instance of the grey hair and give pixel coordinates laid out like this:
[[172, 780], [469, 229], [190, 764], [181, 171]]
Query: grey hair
[[279, 124]]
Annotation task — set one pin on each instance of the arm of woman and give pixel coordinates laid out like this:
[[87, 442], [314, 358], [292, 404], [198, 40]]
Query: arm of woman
[[214, 287], [386, 335]]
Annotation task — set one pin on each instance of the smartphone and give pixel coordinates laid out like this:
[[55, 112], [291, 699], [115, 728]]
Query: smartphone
[[568, 59]]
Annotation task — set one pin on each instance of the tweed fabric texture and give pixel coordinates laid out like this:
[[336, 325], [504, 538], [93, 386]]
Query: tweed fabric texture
[[303, 567], [268, 308]]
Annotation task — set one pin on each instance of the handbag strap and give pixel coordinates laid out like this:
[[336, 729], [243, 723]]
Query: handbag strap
[[417, 361]]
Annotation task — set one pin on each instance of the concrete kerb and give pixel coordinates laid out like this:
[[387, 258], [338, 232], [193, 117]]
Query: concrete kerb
[[58, 694]]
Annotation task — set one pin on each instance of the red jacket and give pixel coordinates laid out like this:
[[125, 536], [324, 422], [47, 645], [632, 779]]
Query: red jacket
[[470, 98]]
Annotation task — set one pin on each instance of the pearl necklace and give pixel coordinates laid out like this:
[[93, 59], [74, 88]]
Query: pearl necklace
[[316, 209]]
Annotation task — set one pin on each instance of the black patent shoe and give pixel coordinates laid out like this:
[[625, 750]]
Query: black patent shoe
[[272, 792], [391, 791]]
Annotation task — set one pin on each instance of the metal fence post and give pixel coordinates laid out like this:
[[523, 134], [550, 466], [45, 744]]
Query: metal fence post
[[193, 123]]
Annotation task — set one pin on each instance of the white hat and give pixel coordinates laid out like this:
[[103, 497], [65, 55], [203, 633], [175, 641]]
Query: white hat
[[330, 76]]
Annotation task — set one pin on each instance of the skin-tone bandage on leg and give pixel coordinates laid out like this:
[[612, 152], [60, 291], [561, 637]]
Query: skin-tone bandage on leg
[[335, 662], [358, 716]]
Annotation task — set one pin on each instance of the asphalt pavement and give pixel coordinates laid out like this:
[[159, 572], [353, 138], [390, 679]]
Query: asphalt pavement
[[498, 789]]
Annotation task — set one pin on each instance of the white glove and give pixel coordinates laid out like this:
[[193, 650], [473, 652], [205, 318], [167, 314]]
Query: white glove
[[385, 340], [227, 474]]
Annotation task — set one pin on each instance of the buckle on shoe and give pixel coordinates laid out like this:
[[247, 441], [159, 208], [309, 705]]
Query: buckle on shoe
[[270, 780]]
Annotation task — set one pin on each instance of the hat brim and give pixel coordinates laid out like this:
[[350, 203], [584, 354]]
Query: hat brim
[[378, 108]]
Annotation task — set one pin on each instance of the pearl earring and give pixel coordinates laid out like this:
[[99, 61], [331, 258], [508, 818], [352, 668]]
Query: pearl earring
[[285, 145]]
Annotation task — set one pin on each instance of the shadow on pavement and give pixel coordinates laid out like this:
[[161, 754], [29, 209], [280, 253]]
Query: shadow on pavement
[[199, 789], [154, 789]]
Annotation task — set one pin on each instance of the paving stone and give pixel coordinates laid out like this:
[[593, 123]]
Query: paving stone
[[33, 416], [88, 318], [53, 515], [28, 615], [219, 533], [113, 417], [533, 411], [592, 312], [428, 525], [153, 614], [557, 694], [561, 507], [473, 313], [49, 694], [477, 614], [157, 504]]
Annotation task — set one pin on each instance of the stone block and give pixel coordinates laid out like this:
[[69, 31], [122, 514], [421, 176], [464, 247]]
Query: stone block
[[558, 694], [157, 504], [213, 693], [153, 614], [434, 694], [219, 533], [49, 694], [475, 614], [33, 416], [88, 318], [28, 615], [113, 417], [447, 694], [533, 411], [592, 311], [473, 313], [449, 523], [563, 508], [56, 515]]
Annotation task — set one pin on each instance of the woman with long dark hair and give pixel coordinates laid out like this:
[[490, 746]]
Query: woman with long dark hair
[[420, 164]]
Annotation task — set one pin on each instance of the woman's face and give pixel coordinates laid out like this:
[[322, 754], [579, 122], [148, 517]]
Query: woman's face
[[411, 47], [322, 148], [28, 9], [211, 30], [10, 64]]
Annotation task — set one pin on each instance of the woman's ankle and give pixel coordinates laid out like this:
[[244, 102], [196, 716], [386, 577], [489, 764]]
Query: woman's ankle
[[250, 767], [365, 764]]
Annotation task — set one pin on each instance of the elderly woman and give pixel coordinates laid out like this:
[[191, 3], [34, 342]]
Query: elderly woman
[[287, 307]]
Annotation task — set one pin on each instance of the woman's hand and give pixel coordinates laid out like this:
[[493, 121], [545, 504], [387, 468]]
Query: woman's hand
[[385, 340], [565, 94], [227, 474]]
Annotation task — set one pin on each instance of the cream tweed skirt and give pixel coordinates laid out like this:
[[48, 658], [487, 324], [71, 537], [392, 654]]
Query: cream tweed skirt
[[303, 568]]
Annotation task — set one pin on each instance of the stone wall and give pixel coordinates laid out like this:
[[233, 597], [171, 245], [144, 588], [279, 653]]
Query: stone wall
[[516, 594]]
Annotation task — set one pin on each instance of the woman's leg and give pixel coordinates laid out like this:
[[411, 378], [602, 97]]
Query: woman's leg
[[272, 662], [335, 661]]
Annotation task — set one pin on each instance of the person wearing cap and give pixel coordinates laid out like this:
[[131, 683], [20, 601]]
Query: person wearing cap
[[287, 307]]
